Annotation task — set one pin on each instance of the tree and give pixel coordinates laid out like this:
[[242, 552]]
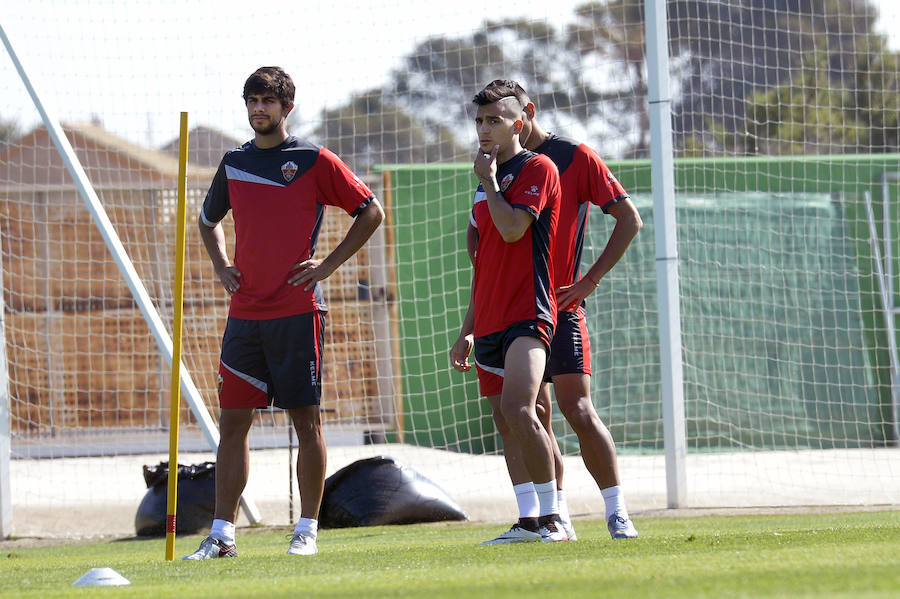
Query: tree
[[9, 131], [728, 55], [748, 76], [368, 130], [423, 114], [814, 115], [439, 77], [616, 29], [763, 70]]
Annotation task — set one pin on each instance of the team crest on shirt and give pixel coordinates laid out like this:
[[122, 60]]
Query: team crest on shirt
[[506, 182], [288, 170]]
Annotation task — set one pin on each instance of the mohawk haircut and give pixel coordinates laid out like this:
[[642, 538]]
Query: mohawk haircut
[[498, 89]]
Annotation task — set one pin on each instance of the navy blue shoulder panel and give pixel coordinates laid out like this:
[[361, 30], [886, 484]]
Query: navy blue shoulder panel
[[282, 164], [510, 169], [561, 150]]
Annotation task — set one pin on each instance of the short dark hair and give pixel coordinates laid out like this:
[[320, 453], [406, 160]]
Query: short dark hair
[[498, 89], [270, 80]]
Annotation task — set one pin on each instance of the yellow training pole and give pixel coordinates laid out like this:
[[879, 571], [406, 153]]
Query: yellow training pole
[[178, 292]]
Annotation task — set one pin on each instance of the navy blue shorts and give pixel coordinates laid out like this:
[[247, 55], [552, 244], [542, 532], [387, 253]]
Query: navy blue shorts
[[490, 352], [272, 362], [570, 350]]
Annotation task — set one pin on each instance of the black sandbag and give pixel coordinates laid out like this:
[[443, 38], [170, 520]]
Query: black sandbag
[[379, 490], [196, 503]]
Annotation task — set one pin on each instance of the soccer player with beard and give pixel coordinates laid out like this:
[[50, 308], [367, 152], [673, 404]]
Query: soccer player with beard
[[276, 187]]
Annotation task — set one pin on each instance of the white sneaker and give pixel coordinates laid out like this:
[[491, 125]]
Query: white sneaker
[[552, 531], [621, 527], [570, 531], [212, 548], [302, 544], [515, 534]]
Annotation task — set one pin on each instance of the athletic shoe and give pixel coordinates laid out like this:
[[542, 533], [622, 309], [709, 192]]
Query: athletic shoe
[[552, 531], [515, 534], [570, 531], [211, 548], [302, 544], [621, 528]]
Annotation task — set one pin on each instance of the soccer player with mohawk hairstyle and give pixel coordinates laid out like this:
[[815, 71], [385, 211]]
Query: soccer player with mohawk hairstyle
[[512, 309], [584, 180]]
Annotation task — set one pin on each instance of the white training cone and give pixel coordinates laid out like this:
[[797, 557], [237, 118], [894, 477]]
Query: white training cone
[[101, 577]]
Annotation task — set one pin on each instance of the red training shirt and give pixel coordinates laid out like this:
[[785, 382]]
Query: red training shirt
[[277, 197], [514, 281]]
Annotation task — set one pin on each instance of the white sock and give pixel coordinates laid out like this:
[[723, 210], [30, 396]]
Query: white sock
[[308, 527], [547, 501], [563, 507], [222, 530], [615, 501], [527, 499]]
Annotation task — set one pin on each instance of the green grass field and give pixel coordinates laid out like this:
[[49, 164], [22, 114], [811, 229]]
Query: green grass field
[[806, 555]]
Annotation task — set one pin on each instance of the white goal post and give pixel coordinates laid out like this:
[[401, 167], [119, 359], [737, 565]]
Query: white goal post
[[663, 174]]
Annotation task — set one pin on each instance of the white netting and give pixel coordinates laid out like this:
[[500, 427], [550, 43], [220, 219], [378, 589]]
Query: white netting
[[785, 114]]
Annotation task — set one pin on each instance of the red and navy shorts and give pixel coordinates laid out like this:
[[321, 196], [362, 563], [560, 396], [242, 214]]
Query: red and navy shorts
[[570, 350], [272, 362], [490, 352]]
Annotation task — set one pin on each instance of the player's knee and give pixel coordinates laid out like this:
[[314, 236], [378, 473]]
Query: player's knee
[[234, 426], [581, 415], [307, 424], [521, 418]]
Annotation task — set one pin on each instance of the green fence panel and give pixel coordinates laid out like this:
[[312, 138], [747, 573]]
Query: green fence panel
[[784, 345]]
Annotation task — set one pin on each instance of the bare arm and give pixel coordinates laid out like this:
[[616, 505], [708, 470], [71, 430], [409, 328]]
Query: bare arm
[[511, 223], [214, 242], [628, 223], [459, 353], [312, 271]]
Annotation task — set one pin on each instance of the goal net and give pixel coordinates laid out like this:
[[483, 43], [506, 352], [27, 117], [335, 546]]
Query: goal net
[[785, 122]]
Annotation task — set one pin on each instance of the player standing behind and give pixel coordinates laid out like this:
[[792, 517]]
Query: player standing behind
[[584, 179], [277, 187], [512, 309]]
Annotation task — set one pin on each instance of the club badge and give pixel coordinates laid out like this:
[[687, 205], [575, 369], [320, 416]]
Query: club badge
[[288, 170]]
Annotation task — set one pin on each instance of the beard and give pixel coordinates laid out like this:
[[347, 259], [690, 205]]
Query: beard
[[264, 128]]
